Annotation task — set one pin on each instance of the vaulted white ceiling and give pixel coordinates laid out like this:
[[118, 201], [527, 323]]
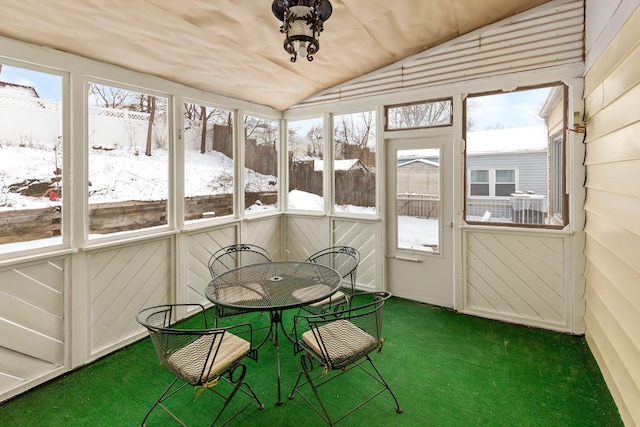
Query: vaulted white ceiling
[[234, 48]]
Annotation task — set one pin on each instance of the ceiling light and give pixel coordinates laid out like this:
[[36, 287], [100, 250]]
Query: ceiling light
[[302, 23]]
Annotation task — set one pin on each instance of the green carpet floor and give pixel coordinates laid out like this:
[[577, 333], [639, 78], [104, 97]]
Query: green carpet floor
[[446, 369]]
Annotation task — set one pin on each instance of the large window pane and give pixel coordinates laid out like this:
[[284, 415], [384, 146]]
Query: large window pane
[[305, 142], [354, 141], [208, 162], [30, 158], [261, 140], [128, 160], [418, 199], [513, 143]]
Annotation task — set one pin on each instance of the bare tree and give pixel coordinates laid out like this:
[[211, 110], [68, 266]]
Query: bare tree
[[353, 129], [111, 97], [419, 115], [315, 136], [151, 103]]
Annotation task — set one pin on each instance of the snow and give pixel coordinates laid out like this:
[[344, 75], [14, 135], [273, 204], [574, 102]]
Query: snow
[[417, 233], [507, 140], [121, 174]]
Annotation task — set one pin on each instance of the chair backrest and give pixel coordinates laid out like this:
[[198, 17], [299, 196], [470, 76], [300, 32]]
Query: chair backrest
[[343, 259], [339, 339], [191, 354], [235, 256]]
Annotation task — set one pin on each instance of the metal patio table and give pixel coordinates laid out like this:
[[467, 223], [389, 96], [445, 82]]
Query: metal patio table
[[273, 287]]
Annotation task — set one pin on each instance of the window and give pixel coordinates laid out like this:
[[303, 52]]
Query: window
[[515, 157], [261, 139], [505, 182], [305, 142], [208, 162], [492, 182], [354, 164], [479, 183], [31, 158], [128, 160], [418, 184], [420, 115]]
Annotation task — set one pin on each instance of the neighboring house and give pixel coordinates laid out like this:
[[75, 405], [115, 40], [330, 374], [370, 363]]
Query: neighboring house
[[504, 162], [16, 89], [419, 176]]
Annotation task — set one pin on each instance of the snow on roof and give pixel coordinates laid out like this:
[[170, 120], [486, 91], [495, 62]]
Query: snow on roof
[[426, 162], [338, 165], [532, 138], [16, 89]]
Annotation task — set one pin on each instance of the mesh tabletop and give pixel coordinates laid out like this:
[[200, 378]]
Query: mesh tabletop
[[273, 285]]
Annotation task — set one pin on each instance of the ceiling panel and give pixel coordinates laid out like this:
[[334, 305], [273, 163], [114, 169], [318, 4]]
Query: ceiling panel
[[234, 48]]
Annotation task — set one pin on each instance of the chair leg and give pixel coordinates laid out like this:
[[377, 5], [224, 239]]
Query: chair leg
[[307, 368], [386, 385], [237, 382], [167, 393]]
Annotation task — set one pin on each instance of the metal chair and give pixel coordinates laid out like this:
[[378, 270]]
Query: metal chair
[[202, 358], [234, 256], [338, 343], [345, 260]]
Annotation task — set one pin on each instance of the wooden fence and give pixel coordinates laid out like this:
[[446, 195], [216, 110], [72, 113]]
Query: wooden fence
[[33, 224], [418, 205], [353, 187]]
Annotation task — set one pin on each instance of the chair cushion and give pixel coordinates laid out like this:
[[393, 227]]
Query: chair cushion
[[238, 293], [188, 361], [337, 297], [342, 340], [310, 292]]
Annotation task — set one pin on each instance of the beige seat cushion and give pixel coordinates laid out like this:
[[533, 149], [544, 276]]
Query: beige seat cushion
[[310, 292], [238, 293], [333, 299], [342, 340], [189, 360]]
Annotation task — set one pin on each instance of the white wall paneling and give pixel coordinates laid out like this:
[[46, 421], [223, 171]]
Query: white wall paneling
[[125, 279], [520, 277], [32, 327]]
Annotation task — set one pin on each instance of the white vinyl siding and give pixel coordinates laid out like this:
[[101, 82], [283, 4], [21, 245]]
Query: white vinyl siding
[[612, 102]]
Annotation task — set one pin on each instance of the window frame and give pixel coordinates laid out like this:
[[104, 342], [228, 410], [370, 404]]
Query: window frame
[[374, 128], [62, 241], [423, 102], [553, 224], [208, 218], [170, 223]]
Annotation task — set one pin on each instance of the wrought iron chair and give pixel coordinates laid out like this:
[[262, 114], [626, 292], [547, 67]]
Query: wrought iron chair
[[338, 343], [234, 256], [200, 357], [345, 260]]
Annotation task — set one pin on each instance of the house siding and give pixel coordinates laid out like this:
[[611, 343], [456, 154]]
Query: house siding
[[612, 102]]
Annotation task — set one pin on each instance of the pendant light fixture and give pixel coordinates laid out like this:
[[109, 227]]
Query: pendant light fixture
[[302, 23]]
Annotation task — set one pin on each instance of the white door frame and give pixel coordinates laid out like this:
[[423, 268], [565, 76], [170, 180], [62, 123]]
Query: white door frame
[[416, 274]]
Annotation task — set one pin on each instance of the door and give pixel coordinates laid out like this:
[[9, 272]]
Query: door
[[419, 215]]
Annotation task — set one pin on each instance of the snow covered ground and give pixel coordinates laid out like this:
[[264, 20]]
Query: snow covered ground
[[120, 174]]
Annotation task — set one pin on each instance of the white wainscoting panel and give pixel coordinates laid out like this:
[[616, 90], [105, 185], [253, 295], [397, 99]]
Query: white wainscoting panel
[[31, 321], [305, 235], [200, 246], [124, 280], [265, 232], [518, 277], [362, 236]]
